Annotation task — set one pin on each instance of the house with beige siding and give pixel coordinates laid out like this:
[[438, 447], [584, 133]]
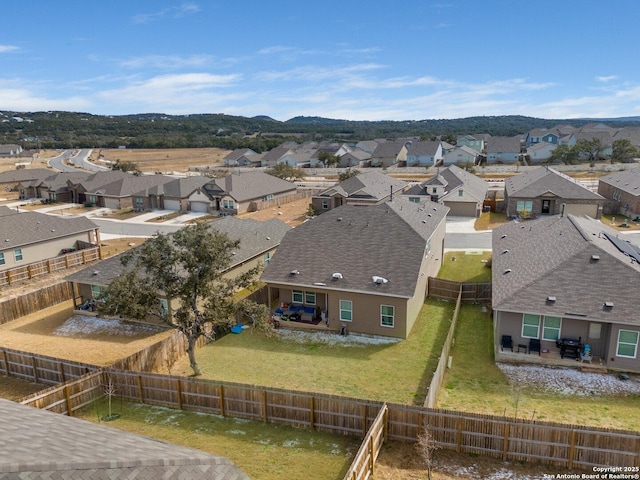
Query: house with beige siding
[[179, 194], [29, 237], [566, 277], [368, 188], [361, 270], [622, 192], [258, 243], [545, 191]]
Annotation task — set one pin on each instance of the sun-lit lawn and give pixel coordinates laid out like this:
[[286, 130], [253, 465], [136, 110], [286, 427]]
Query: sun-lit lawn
[[475, 384], [261, 450], [490, 220], [466, 266], [394, 372]]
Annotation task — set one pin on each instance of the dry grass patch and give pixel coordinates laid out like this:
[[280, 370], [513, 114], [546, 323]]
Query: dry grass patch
[[14, 388], [490, 220], [162, 160]]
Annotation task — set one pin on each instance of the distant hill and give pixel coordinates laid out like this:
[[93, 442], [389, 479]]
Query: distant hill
[[58, 129]]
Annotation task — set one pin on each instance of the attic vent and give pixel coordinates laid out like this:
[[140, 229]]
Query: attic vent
[[608, 305], [233, 253], [96, 272], [508, 270], [505, 251], [595, 258], [336, 276], [339, 219], [551, 299], [268, 238], [428, 214], [379, 280], [504, 236], [424, 221], [295, 272]]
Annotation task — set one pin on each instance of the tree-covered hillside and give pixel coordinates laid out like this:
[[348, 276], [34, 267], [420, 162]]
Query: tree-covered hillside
[[156, 130]]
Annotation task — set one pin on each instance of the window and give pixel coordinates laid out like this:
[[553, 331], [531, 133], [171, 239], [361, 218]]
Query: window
[[427, 248], [386, 315], [460, 193], [270, 197], [17, 254], [53, 196], [164, 307], [627, 344], [346, 310], [92, 199], [414, 199], [325, 204], [96, 291], [310, 298], [551, 328], [530, 325], [296, 296], [2, 262], [267, 258], [434, 190], [523, 206], [139, 201]]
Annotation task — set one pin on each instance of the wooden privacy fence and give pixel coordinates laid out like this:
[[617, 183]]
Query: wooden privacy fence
[[276, 202], [434, 387], [364, 462], [40, 369], [17, 307], [449, 290], [510, 439], [43, 267]]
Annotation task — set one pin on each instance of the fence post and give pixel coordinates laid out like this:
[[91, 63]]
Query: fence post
[[459, 439], [179, 393], [221, 400], [34, 364], [6, 363], [572, 449], [311, 414], [140, 393], [62, 376], [264, 406], [371, 462], [364, 419], [505, 446], [68, 399]]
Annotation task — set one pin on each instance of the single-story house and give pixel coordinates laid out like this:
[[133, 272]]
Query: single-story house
[[239, 157], [355, 158], [258, 243], [9, 150], [503, 149], [545, 191], [389, 153], [11, 179], [361, 270], [566, 281], [424, 154], [40, 444], [29, 237], [622, 192], [461, 191], [460, 155], [54, 187], [368, 188], [236, 193], [180, 194], [540, 151]]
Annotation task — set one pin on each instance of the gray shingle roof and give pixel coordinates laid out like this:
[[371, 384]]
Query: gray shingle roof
[[386, 240], [26, 228], [176, 188], [545, 179], [40, 444], [418, 148], [130, 185], [536, 259], [255, 238], [96, 180], [238, 153], [453, 178], [249, 185], [628, 181], [26, 175], [372, 184], [503, 145]]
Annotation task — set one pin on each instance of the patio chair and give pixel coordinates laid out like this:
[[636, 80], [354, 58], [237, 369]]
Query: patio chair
[[534, 345], [507, 342]]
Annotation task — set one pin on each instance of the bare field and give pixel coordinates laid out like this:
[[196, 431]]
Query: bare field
[[162, 160]]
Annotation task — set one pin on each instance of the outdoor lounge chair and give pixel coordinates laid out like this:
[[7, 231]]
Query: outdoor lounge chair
[[507, 342], [534, 345]]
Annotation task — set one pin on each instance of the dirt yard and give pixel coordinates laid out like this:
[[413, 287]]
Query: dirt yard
[[290, 213], [56, 332], [169, 160]]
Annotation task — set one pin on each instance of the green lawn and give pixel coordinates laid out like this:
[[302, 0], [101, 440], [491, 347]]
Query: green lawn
[[466, 266], [394, 372], [261, 450], [475, 384]]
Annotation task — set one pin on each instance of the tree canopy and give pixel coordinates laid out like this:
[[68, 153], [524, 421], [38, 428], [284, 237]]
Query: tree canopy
[[623, 151], [188, 266], [286, 172]]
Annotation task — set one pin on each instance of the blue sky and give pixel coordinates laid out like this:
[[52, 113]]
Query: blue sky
[[374, 60]]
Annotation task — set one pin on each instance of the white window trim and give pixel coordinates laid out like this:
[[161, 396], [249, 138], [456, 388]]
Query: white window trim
[[2, 259], [15, 256], [306, 302], [523, 325], [341, 310], [293, 296], [635, 350], [553, 328], [393, 316]]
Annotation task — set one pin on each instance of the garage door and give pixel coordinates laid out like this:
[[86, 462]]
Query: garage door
[[112, 203], [461, 209], [172, 205], [202, 207]]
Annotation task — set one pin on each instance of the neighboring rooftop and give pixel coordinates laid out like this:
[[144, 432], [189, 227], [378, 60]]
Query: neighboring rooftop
[[371, 185], [545, 179]]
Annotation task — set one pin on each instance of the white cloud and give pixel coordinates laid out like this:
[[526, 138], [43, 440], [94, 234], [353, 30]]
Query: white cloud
[[606, 79], [8, 48], [24, 100], [167, 61], [177, 11]]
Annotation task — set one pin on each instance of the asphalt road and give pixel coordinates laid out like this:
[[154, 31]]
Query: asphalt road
[[58, 162], [80, 162], [468, 241], [129, 229]]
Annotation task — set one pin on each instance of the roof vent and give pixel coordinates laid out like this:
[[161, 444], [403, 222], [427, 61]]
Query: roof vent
[[505, 251], [339, 219], [595, 258], [551, 299], [320, 284], [294, 272], [379, 280], [95, 272], [336, 276], [268, 238], [504, 236], [508, 270], [608, 305]]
